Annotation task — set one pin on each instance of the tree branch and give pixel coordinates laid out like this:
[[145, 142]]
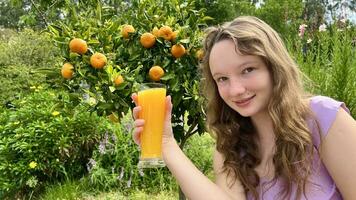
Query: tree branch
[[52, 4], [188, 134], [40, 13]]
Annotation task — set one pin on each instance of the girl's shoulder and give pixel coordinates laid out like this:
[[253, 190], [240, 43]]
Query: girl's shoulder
[[324, 111]]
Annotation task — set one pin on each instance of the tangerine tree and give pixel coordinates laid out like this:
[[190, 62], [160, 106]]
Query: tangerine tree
[[145, 41]]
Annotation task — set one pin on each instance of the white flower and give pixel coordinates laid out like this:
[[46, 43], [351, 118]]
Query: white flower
[[140, 171], [322, 28], [91, 164], [343, 20], [309, 40]]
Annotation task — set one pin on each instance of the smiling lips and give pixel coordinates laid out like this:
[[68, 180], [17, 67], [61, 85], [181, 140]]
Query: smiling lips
[[244, 102]]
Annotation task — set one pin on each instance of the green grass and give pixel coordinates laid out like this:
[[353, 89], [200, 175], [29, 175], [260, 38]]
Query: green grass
[[75, 190], [198, 148], [137, 195], [68, 190]]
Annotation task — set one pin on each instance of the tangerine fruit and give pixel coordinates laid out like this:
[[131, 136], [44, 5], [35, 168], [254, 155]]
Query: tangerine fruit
[[155, 73], [98, 60], [147, 40], [79, 46], [67, 71], [178, 50], [165, 32], [126, 29], [118, 80]]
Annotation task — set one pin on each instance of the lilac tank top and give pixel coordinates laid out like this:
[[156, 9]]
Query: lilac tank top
[[323, 187]]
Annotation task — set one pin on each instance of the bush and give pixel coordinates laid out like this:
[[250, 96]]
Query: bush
[[226, 10], [328, 58], [43, 138], [28, 48], [17, 81], [22, 56], [200, 151], [282, 16], [114, 165]]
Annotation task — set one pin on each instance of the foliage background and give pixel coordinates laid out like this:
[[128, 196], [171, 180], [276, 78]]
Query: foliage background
[[31, 54]]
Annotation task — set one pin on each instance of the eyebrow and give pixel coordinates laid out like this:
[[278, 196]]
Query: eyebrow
[[239, 66]]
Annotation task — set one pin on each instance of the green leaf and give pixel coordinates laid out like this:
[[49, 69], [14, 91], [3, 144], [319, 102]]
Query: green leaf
[[73, 55], [112, 88], [207, 18], [167, 77], [93, 41], [184, 41], [53, 30]]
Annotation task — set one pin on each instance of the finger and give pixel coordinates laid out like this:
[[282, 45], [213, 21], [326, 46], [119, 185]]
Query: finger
[[139, 122], [169, 107], [134, 98], [136, 111], [136, 135]]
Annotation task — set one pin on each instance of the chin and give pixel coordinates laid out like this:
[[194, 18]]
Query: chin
[[245, 113]]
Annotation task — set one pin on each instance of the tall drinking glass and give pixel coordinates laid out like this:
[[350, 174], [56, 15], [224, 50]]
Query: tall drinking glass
[[151, 98]]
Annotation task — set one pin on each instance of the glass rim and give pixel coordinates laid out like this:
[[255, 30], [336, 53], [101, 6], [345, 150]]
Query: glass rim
[[144, 86]]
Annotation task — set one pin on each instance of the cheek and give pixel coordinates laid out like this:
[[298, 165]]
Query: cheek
[[222, 91], [262, 82]]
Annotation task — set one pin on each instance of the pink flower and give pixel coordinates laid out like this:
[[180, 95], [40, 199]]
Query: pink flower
[[302, 30]]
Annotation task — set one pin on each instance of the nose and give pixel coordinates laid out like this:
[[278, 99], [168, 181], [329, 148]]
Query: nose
[[237, 88]]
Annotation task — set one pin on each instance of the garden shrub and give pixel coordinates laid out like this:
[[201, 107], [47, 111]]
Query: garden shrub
[[16, 81], [44, 138], [114, 164], [22, 57], [328, 59], [29, 48], [200, 150]]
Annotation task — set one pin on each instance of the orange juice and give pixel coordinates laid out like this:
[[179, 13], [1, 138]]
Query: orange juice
[[152, 102]]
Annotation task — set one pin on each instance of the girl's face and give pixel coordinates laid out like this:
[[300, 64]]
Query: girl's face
[[244, 81]]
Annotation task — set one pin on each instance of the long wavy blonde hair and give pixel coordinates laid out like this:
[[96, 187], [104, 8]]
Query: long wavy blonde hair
[[287, 108]]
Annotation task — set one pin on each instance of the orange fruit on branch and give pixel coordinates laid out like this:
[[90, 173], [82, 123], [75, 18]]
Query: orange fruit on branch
[[178, 50], [155, 73], [98, 60], [67, 71], [79, 46], [165, 32], [126, 29], [147, 40], [118, 80]]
